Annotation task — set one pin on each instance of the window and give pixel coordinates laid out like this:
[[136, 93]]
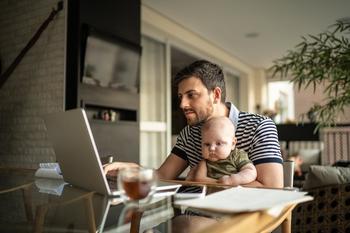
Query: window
[[153, 103], [281, 101]]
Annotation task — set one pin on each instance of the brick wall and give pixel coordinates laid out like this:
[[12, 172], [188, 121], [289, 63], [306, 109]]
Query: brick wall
[[36, 87]]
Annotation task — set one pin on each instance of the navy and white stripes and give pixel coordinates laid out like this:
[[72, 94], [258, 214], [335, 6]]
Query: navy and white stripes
[[257, 135]]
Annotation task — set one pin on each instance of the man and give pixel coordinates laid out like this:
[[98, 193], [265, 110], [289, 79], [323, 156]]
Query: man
[[201, 92]]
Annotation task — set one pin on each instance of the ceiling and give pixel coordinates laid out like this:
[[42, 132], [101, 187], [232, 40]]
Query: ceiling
[[255, 31]]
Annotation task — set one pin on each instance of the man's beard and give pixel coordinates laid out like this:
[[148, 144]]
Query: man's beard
[[201, 116]]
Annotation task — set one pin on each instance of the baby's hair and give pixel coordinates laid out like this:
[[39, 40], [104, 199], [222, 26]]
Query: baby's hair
[[218, 121]]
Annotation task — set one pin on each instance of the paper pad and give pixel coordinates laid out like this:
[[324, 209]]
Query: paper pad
[[241, 199]]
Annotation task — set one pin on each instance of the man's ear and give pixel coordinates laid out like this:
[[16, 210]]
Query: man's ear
[[217, 95]]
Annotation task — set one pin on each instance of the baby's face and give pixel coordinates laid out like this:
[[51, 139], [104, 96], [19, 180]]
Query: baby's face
[[217, 145]]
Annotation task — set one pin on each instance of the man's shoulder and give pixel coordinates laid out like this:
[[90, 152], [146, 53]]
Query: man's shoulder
[[251, 120], [191, 130], [247, 116], [192, 127]]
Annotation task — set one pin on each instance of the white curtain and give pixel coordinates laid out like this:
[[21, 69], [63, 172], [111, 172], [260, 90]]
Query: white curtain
[[153, 103]]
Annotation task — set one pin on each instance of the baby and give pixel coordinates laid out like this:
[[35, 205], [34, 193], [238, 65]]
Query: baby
[[222, 162]]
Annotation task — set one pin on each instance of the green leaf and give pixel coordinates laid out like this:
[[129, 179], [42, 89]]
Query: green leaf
[[320, 58]]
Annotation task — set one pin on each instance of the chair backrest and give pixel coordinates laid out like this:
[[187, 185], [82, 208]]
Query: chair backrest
[[336, 144], [288, 173]]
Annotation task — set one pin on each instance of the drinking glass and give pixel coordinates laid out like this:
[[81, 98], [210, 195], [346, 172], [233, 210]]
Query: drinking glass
[[136, 184]]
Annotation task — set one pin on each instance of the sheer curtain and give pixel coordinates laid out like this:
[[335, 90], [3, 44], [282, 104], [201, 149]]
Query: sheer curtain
[[153, 103]]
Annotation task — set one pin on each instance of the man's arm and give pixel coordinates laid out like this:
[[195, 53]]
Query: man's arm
[[266, 153], [269, 175], [171, 167]]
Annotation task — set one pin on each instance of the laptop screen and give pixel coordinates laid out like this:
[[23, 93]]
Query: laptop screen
[[75, 150]]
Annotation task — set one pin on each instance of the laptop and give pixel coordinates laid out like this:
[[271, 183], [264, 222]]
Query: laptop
[[77, 154]]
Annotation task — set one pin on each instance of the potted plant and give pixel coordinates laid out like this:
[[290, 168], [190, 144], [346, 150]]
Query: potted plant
[[321, 59]]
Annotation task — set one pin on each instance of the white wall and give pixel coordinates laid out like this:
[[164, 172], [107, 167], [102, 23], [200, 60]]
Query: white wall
[[305, 99], [154, 24]]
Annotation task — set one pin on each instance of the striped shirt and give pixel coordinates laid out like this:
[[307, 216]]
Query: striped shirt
[[256, 135]]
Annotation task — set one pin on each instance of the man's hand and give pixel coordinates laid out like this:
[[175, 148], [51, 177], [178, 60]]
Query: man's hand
[[111, 169], [201, 171], [191, 174], [198, 172]]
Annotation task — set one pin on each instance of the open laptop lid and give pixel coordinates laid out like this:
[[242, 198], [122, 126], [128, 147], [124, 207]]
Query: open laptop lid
[[76, 151]]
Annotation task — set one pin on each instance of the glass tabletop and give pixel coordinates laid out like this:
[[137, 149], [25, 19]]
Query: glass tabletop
[[161, 214], [30, 204]]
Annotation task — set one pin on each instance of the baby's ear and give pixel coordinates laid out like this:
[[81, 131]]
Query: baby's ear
[[234, 142]]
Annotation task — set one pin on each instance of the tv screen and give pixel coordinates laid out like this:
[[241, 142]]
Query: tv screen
[[111, 63]]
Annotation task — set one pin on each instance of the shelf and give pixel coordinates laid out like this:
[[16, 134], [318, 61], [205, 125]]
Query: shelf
[[118, 122], [107, 114]]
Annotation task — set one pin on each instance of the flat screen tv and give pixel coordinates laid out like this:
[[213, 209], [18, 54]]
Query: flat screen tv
[[110, 62]]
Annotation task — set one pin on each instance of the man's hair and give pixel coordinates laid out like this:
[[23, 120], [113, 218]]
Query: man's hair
[[209, 73]]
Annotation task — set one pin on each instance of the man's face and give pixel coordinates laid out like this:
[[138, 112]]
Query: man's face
[[195, 100]]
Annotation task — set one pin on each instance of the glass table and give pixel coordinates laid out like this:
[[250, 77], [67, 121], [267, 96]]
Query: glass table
[[30, 204]]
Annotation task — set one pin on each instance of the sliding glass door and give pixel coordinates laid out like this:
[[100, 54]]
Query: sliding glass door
[[153, 103]]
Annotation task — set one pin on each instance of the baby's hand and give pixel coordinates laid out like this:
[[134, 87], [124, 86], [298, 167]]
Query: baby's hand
[[230, 180], [225, 180]]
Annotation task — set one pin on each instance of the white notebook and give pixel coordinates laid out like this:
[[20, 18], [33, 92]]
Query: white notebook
[[241, 199]]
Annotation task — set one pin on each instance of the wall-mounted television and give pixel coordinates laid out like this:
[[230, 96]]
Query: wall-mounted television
[[110, 62]]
